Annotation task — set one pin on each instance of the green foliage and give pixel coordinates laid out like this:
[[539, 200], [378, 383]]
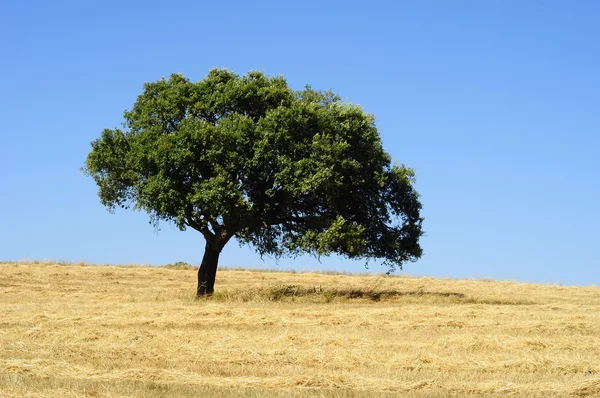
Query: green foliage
[[179, 265], [288, 172]]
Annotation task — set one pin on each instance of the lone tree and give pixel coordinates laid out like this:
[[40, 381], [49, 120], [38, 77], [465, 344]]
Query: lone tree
[[288, 172]]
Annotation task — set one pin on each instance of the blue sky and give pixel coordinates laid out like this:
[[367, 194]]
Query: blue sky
[[494, 104]]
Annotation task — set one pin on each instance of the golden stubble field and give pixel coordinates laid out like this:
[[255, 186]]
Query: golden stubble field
[[104, 331]]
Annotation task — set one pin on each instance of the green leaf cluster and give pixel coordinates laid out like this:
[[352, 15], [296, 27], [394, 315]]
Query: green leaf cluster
[[286, 171]]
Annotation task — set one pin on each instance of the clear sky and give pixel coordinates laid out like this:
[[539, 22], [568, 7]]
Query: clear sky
[[495, 104]]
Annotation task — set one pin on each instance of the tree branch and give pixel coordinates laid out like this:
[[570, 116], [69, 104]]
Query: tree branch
[[203, 229], [216, 227]]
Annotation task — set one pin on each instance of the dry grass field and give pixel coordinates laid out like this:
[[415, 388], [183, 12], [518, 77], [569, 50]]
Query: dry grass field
[[105, 331]]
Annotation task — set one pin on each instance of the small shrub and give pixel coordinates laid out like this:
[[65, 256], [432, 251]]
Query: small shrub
[[179, 265]]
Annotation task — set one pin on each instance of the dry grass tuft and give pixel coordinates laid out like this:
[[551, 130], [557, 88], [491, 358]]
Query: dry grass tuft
[[71, 330]]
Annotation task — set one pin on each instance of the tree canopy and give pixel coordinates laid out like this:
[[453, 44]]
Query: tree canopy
[[288, 172]]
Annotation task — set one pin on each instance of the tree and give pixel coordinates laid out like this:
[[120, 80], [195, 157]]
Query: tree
[[288, 172]]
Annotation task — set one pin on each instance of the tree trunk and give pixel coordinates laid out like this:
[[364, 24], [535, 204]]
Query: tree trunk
[[208, 271]]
